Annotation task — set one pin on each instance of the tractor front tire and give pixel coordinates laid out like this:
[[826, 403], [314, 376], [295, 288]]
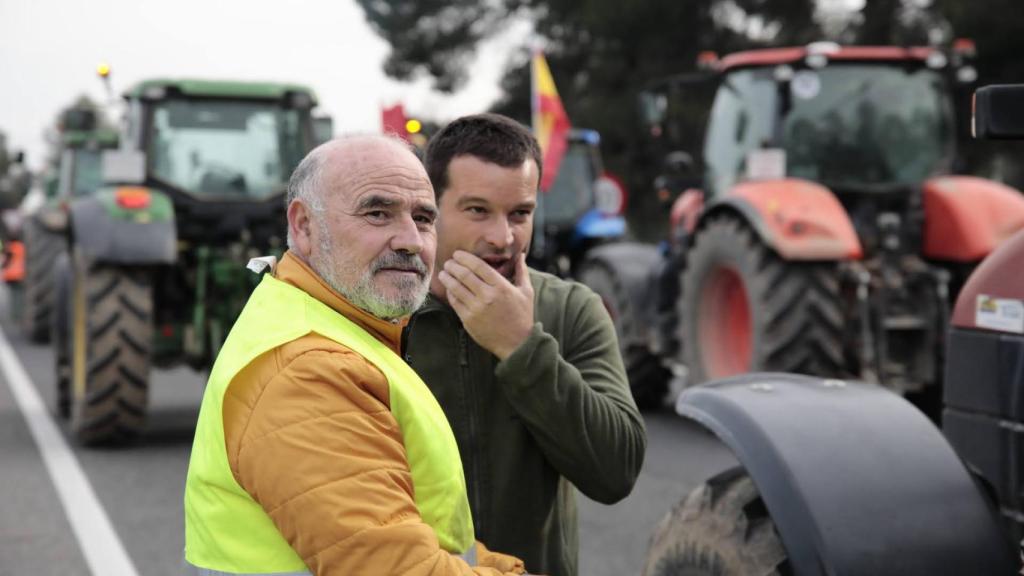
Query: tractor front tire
[[42, 248], [745, 309], [110, 340], [648, 378], [720, 529]]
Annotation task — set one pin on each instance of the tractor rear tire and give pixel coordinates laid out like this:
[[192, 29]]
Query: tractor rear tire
[[60, 334], [648, 378], [111, 339], [745, 309], [722, 528], [42, 248]]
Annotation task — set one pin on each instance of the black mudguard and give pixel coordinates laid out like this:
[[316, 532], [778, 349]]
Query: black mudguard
[[856, 479], [633, 264], [102, 237]]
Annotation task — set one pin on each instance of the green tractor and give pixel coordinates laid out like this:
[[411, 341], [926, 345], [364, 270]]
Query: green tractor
[[156, 271], [75, 173]]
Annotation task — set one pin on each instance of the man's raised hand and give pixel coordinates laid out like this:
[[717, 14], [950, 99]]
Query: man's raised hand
[[498, 314]]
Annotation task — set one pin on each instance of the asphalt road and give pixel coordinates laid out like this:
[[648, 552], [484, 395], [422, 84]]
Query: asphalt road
[[140, 486]]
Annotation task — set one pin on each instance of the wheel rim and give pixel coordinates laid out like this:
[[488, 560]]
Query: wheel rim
[[725, 324], [78, 345]]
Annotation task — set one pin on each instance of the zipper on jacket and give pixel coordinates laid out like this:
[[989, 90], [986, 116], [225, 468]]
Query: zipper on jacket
[[474, 451]]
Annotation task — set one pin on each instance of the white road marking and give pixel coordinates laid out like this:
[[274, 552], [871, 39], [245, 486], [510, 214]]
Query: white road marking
[[100, 545]]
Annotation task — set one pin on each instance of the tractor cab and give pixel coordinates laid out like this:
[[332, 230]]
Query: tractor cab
[[221, 151], [80, 168], [582, 208], [858, 119]]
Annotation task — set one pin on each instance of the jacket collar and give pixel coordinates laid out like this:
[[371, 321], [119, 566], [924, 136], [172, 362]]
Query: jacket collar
[[294, 271]]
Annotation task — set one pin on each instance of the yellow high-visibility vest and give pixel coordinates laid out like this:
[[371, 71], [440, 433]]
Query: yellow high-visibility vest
[[225, 529]]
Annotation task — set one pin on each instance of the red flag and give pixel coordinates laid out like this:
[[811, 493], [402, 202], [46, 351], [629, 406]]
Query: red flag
[[550, 122], [392, 120]]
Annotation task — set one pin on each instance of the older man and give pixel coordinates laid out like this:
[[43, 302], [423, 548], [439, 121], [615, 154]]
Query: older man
[[525, 365], [318, 451]]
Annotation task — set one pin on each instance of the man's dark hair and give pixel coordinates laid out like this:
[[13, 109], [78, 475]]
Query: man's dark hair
[[490, 137]]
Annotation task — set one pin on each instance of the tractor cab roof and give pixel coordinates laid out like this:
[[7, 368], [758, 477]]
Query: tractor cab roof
[[99, 138], [830, 51], [158, 87]]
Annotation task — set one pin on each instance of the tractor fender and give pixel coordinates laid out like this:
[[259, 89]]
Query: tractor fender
[[105, 229], [856, 479], [966, 217], [595, 224], [997, 277], [798, 219]]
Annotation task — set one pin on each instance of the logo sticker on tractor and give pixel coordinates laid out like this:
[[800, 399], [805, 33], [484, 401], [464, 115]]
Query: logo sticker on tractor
[[805, 85], [1002, 314]]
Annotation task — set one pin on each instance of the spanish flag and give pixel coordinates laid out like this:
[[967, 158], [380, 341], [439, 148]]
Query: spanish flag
[[550, 122]]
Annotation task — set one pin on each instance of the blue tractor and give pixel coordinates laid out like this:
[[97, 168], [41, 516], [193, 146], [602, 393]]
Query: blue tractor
[[582, 209]]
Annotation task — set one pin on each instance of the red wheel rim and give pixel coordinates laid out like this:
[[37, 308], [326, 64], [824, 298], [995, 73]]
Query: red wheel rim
[[725, 325]]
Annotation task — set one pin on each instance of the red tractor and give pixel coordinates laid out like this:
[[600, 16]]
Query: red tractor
[[841, 477], [829, 237]]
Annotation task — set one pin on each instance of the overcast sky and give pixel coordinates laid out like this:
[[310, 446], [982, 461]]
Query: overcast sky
[[49, 50]]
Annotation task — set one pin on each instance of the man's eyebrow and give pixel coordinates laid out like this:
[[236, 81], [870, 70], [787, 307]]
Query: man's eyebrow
[[375, 201], [428, 208], [472, 200]]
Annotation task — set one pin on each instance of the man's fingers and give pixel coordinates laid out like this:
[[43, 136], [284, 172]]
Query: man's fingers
[[466, 277], [522, 272], [476, 264], [458, 305], [452, 291], [454, 287]]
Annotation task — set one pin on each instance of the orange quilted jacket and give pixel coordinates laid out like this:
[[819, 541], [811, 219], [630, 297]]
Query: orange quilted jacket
[[311, 438]]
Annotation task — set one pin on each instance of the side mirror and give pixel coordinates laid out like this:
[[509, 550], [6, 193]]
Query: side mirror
[[123, 166], [999, 112], [653, 107], [323, 129], [679, 162]]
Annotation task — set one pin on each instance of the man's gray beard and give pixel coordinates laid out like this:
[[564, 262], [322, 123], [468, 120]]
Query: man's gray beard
[[411, 293]]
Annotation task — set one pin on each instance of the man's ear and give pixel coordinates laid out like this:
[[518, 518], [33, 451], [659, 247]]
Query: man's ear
[[300, 226]]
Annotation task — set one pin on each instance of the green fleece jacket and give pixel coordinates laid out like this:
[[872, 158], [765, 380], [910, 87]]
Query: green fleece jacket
[[555, 414]]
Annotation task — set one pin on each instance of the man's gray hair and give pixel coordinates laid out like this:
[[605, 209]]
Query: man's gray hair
[[305, 186]]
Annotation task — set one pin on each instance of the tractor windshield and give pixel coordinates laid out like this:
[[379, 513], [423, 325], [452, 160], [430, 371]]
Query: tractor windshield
[[848, 125], [225, 148], [867, 125], [572, 192]]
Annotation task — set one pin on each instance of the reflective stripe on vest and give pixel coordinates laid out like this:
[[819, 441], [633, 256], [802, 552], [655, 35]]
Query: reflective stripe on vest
[[225, 529]]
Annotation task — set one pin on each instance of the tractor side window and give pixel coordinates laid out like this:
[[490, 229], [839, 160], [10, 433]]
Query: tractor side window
[[225, 149], [87, 174], [740, 122]]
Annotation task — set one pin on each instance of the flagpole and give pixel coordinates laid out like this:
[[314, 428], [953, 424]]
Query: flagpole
[[534, 90]]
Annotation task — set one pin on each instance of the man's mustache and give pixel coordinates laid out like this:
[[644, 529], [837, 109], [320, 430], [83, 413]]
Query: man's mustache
[[400, 261]]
